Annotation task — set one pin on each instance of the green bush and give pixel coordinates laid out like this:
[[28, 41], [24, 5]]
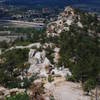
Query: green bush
[[52, 97], [23, 96], [13, 66], [50, 78], [22, 43], [89, 85], [27, 82], [70, 78]]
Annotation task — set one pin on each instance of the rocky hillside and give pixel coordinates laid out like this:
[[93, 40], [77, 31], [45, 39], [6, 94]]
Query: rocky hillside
[[71, 17], [78, 36], [68, 18], [68, 50], [65, 19]]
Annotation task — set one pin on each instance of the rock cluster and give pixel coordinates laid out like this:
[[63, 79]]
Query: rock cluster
[[38, 63], [9, 92], [65, 19], [41, 65]]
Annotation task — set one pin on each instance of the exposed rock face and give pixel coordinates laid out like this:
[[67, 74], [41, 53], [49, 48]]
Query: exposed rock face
[[38, 63], [65, 19], [62, 72], [41, 65]]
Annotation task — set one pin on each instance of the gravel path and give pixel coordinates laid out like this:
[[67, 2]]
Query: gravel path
[[69, 91]]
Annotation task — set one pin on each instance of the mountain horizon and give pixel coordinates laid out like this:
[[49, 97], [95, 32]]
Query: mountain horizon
[[84, 4]]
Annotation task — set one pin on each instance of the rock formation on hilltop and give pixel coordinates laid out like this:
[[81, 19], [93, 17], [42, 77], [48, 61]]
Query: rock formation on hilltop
[[65, 19]]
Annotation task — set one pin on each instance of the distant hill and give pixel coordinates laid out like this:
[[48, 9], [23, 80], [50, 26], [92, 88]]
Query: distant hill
[[43, 3], [83, 4]]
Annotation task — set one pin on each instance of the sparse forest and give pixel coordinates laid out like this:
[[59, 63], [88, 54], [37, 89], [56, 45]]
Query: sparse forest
[[80, 51]]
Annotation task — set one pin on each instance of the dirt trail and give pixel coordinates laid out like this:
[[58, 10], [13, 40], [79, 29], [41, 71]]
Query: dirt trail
[[63, 90]]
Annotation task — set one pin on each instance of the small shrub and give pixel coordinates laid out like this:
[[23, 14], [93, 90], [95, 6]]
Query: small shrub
[[52, 97], [23, 96], [89, 85], [70, 78], [50, 78], [27, 82]]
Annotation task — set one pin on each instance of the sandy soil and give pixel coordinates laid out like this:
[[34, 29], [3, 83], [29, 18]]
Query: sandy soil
[[63, 90], [69, 91]]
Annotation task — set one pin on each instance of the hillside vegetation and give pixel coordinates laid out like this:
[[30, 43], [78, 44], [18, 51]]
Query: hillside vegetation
[[79, 42], [70, 45]]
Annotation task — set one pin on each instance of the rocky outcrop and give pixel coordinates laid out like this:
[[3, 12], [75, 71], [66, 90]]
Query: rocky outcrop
[[65, 19], [41, 65], [38, 63]]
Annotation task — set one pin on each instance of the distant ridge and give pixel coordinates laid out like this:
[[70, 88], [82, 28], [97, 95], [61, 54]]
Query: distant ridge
[[45, 3], [83, 4]]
